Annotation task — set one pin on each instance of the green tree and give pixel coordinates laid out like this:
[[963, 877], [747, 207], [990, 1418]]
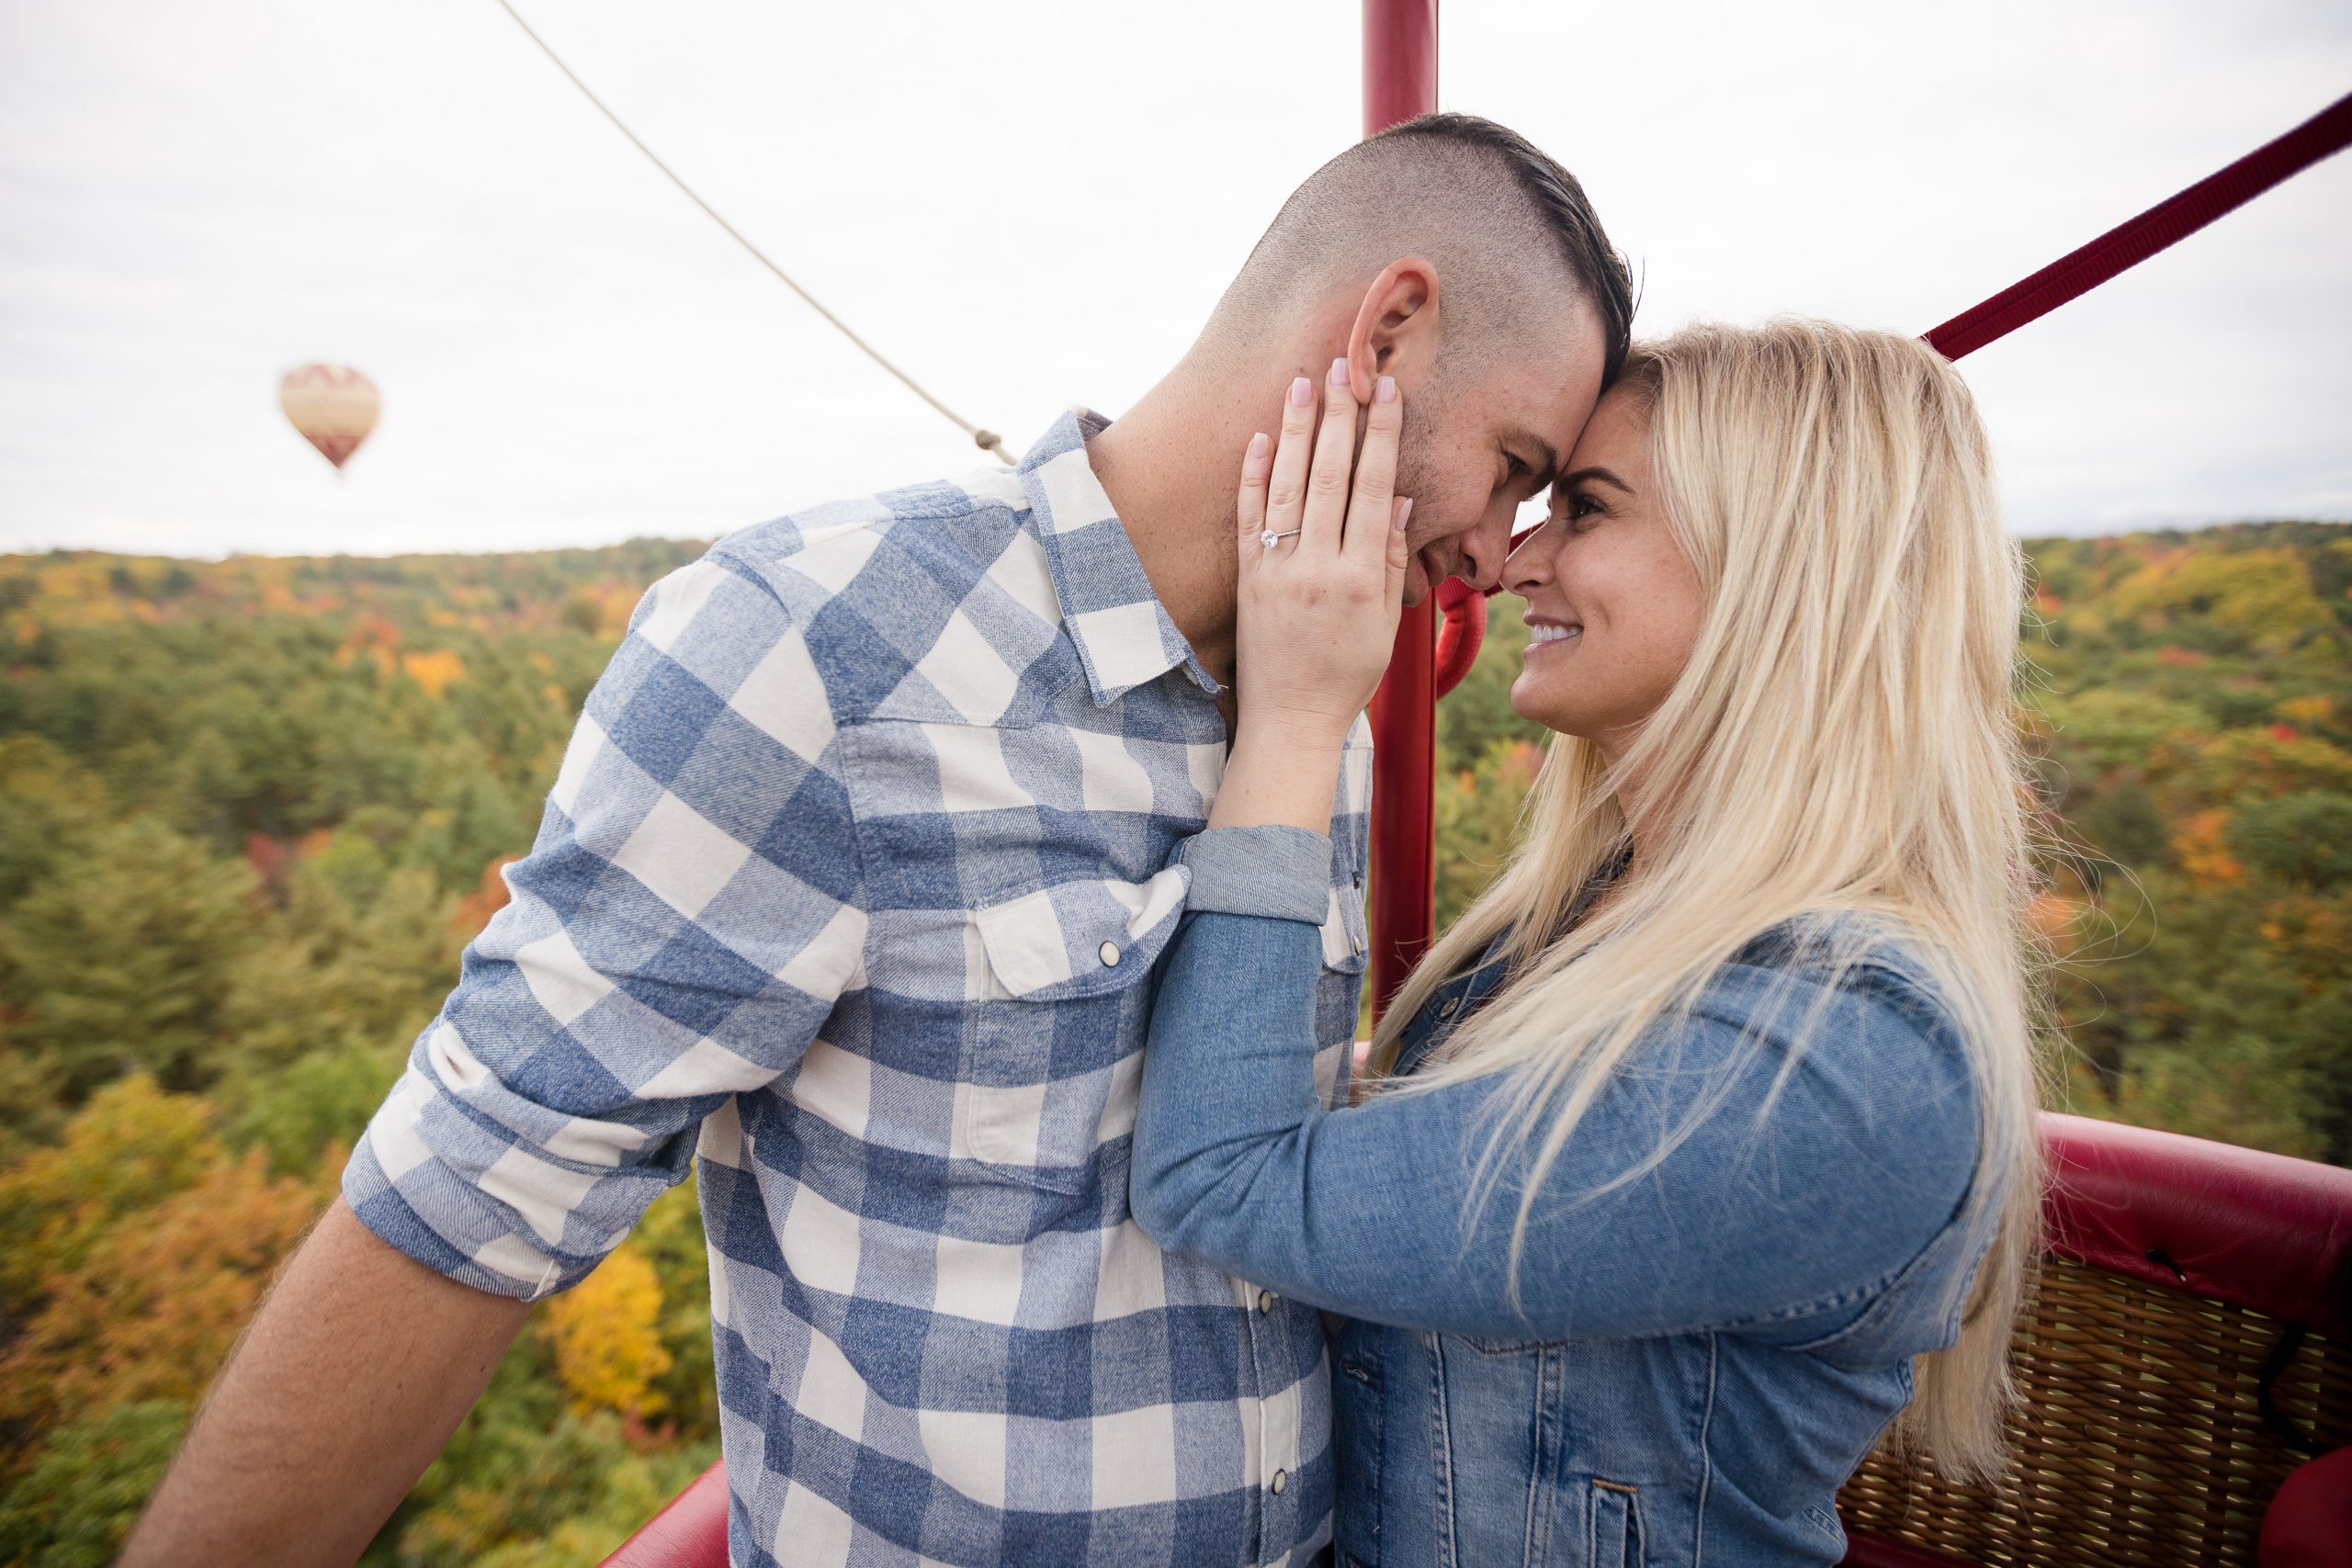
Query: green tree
[[75, 1506], [124, 957]]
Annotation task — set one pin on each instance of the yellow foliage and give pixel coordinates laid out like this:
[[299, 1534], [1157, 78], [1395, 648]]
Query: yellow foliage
[[2307, 710], [130, 1147], [2264, 593], [607, 1339], [435, 671]]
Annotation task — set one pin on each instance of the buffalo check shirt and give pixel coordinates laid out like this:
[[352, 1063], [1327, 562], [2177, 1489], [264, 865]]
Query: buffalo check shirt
[[851, 889]]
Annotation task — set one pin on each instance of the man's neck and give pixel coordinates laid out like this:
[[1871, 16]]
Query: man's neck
[[1171, 465]]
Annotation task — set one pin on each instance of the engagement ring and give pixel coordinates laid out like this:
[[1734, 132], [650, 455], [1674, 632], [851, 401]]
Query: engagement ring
[[1269, 538]]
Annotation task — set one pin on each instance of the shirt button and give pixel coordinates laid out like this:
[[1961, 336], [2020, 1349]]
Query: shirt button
[[1282, 1479], [1265, 1301], [1110, 955], [1450, 1003]]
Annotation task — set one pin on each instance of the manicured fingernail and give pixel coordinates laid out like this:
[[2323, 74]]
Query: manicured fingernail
[[1385, 389], [1403, 512], [1257, 446], [1338, 372], [1302, 392]]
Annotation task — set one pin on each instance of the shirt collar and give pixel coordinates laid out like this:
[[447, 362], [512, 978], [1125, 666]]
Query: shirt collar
[[1124, 634]]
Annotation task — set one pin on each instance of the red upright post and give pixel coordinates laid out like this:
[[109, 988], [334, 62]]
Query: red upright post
[[1400, 82]]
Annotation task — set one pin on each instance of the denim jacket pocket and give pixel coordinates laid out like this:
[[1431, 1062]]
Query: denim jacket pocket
[[1497, 1347], [1614, 1524], [1043, 1077]]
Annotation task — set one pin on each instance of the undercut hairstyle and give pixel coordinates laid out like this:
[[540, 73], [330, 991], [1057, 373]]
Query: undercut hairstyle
[[1506, 226]]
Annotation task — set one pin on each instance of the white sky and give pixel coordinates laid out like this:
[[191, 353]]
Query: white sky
[[1036, 205]]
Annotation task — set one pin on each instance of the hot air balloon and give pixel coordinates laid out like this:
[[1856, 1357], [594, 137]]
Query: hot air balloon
[[333, 405]]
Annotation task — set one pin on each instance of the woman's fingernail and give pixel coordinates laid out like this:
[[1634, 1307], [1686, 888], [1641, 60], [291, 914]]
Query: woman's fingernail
[[1302, 392], [1257, 446], [1403, 512], [1385, 389], [1338, 372]]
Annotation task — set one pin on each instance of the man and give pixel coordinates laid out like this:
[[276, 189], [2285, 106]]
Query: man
[[849, 889]]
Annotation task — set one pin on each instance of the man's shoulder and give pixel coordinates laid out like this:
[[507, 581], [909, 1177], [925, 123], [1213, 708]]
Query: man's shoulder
[[946, 581], [859, 548]]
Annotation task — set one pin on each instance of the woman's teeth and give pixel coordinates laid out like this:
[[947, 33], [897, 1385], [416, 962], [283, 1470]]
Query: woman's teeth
[[1538, 636]]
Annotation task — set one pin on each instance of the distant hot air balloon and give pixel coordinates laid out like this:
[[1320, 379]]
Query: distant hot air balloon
[[333, 405]]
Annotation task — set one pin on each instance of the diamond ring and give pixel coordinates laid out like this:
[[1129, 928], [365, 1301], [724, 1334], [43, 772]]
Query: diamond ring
[[1269, 538]]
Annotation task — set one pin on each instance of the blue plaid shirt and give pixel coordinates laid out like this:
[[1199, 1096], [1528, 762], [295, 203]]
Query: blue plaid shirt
[[860, 862]]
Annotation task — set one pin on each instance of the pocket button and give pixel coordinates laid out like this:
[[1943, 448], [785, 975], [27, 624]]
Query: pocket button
[[1110, 955]]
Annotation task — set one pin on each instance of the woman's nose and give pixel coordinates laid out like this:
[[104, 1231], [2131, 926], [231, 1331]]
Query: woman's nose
[[1528, 566]]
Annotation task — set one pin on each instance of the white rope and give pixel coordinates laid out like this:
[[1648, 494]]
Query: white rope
[[987, 440]]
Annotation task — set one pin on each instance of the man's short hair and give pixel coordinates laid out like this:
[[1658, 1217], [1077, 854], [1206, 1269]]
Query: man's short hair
[[1484, 204]]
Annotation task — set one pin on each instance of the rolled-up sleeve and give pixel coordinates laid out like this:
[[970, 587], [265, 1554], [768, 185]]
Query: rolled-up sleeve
[[1281, 873], [684, 924]]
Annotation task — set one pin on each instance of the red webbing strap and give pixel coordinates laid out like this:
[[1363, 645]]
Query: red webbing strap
[[2130, 244]]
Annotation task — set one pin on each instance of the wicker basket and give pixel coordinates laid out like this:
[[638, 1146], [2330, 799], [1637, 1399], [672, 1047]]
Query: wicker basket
[[2140, 1444]]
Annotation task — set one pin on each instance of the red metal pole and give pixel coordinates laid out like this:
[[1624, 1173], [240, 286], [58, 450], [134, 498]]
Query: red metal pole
[[1400, 82]]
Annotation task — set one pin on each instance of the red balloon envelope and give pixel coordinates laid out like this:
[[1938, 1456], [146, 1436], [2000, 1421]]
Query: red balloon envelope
[[333, 406]]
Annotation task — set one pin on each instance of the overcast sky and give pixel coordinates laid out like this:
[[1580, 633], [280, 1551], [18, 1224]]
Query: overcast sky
[[1035, 205]]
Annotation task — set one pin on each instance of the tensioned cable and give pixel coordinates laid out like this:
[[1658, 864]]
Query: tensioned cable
[[987, 440]]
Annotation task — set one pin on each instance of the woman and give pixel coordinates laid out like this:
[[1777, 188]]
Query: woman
[[1710, 1125]]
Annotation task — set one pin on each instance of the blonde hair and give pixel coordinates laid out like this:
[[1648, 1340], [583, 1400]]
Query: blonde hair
[[1840, 743]]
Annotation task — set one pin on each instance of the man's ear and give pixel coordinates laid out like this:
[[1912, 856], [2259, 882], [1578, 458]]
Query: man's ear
[[1396, 327]]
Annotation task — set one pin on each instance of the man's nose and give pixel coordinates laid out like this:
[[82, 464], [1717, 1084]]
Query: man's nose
[[1484, 550]]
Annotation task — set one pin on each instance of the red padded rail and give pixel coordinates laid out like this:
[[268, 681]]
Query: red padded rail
[[689, 1533], [2238, 1226]]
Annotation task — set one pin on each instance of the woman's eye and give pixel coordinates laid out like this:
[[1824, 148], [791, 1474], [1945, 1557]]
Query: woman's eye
[[1580, 507]]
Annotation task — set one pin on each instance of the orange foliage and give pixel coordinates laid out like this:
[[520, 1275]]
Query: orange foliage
[[475, 908], [2182, 657], [154, 1309], [374, 635], [2052, 915], [2199, 843]]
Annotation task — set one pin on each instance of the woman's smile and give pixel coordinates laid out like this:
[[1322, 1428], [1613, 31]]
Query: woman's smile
[[1545, 633]]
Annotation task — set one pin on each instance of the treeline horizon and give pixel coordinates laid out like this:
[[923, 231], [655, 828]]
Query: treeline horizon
[[250, 810]]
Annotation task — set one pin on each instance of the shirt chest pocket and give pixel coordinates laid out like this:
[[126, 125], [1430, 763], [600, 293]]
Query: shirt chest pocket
[[1052, 1056]]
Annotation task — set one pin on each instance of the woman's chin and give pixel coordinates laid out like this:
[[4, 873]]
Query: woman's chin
[[1527, 701]]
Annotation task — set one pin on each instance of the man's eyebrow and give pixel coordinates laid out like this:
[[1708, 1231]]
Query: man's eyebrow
[[1548, 461], [1603, 474]]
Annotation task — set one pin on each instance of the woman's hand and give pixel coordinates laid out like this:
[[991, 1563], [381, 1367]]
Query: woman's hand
[[1317, 607]]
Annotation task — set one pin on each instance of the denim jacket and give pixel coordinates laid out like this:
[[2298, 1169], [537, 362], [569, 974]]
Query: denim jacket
[[1696, 1355]]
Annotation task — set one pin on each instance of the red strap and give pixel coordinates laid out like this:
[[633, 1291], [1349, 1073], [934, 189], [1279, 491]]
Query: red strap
[[2130, 244], [1459, 631]]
